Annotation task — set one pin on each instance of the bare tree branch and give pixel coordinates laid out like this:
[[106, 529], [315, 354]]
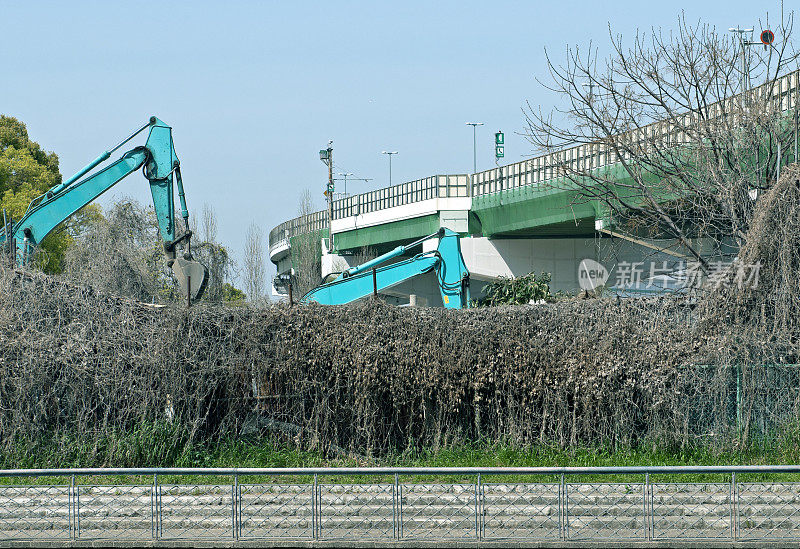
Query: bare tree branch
[[679, 149]]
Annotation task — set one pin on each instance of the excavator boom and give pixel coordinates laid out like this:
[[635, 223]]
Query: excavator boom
[[160, 166], [373, 276]]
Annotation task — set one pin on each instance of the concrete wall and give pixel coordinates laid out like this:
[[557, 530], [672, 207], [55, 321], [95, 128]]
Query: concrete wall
[[488, 259]]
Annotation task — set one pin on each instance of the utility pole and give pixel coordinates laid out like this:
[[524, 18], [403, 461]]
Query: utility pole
[[326, 155], [766, 39], [795, 126]]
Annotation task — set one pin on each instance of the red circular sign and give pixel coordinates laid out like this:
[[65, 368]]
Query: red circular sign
[[767, 37]]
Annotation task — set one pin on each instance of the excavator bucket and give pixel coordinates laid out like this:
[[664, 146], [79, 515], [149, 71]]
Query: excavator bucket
[[192, 277]]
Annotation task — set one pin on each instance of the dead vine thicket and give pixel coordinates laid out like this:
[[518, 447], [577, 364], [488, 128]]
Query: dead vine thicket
[[368, 377], [79, 364]]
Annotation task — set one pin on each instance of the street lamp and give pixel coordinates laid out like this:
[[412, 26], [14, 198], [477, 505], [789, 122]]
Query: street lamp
[[474, 149], [741, 33], [390, 153]]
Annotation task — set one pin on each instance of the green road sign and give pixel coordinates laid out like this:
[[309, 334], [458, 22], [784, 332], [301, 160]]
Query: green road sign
[[498, 138], [498, 151]]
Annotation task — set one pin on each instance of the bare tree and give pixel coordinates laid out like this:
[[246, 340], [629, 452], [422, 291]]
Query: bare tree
[[120, 253], [212, 254], [668, 135], [209, 223], [219, 264], [306, 249], [255, 272]]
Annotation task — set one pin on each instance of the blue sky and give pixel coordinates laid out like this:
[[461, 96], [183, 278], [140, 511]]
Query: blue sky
[[254, 89]]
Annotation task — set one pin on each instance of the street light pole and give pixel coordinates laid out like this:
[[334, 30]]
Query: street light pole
[[474, 146], [390, 153], [766, 39], [740, 34]]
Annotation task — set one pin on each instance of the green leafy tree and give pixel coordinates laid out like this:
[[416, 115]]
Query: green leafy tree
[[27, 172], [231, 294]]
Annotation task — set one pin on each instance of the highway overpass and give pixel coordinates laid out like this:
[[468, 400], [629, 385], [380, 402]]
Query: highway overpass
[[513, 219]]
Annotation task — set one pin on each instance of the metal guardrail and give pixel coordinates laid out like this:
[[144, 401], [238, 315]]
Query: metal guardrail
[[398, 504], [281, 234], [437, 186]]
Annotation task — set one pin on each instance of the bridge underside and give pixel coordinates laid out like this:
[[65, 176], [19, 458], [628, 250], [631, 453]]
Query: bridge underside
[[527, 212]]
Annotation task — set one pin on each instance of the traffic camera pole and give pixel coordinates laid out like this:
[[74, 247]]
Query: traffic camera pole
[[326, 155], [330, 197]]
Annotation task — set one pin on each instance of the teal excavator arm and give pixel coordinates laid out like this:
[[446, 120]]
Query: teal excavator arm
[[160, 166], [368, 278]]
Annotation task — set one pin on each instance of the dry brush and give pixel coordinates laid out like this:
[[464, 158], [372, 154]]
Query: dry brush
[[77, 364]]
